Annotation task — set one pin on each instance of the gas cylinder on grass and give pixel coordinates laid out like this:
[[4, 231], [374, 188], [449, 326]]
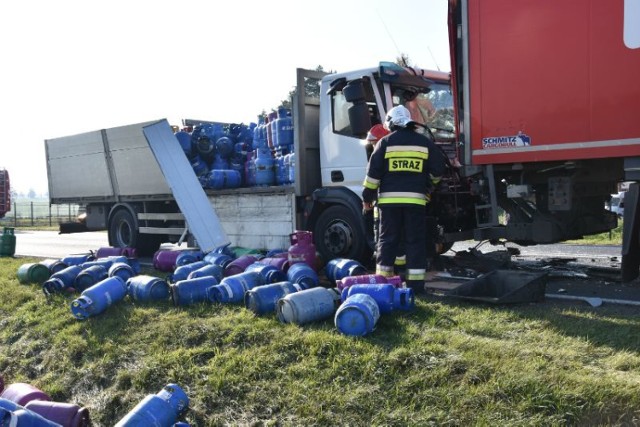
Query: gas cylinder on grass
[[23, 393], [307, 305], [122, 270], [263, 299], [232, 289], [302, 248], [90, 276], [303, 275], [269, 273], [239, 265], [183, 271], [145, 288], [99, 297], [161, 409], [339, 268], [387, 296], [193, 291], [65, 414], [64, 279], [208, 270], [371, 279], [358, 315], [33, 273]]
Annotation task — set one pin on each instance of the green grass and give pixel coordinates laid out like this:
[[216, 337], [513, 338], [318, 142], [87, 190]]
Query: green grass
[[445, 363], [614, 237]]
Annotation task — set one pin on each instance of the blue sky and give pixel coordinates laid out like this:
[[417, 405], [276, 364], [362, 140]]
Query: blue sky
[[72, 66]]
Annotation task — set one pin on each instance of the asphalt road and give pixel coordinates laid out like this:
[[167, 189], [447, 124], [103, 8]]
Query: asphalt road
[[50, 244]]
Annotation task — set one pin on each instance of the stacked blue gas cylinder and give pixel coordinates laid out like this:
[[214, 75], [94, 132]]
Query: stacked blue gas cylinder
[[227, 156]]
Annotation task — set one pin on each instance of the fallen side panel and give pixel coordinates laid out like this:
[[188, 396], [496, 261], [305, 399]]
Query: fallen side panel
[[193, 202], [257, 221]]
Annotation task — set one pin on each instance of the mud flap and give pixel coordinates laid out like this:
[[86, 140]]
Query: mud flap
[[630, 235]]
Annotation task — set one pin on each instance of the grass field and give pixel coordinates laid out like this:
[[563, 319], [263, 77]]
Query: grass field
[[445, 363]]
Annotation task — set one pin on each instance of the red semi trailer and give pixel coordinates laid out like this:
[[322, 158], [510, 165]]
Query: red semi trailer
[[547, 99]]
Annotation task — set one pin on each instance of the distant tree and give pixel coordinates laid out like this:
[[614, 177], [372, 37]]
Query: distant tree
[[404, 60], [31, 194], [311, 89]]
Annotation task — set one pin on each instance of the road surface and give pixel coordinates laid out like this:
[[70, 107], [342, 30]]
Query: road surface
[[50, 244]]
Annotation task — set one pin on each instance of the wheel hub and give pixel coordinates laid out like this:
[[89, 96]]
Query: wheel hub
[[338, 238]]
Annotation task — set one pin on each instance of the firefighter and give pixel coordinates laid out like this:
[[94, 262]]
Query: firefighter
[[401, 173], [373, 136]]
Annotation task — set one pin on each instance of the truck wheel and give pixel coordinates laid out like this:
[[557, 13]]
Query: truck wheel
[[337, 234], [123, 230]]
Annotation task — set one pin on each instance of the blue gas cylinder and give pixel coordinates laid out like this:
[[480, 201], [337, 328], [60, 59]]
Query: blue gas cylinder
[[258, 140], [22, 417], [263, 299], [237, 164], [106, 262], [90, 276], [224, 146], [206, 147], [184, 139], [122, 270], [358, 315], [145, 288], [270, 126], [307, 305], [161, 409], [250, 170], [181, 272], [269, 273], [265, 173], [220, 163], [54, 265], [273, 127], [78, 259], [208, 270], [217, 258], [232, 289], [292, 168], [387, 296], [99, 297], [63, 279], [199, 166], [284, 128], [193, 291], [188, 257], [339, 268], [303, 275], [223, 178], [281, 171]]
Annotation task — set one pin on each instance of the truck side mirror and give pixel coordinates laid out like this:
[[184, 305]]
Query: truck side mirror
[[359, 116]]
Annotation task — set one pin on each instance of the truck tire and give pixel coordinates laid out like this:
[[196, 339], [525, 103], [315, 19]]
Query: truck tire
[[338, 234], [123, 232]]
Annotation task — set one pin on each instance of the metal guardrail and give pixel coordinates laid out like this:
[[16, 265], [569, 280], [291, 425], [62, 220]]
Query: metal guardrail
[[33, 214]]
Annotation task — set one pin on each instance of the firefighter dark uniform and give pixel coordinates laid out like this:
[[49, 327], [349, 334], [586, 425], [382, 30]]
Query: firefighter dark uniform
[[400, 175]]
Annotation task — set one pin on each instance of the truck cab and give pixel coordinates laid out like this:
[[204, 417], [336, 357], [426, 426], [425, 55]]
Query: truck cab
[[350, 104]]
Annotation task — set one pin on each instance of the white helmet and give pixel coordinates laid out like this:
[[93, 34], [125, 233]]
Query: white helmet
[[398, 116]]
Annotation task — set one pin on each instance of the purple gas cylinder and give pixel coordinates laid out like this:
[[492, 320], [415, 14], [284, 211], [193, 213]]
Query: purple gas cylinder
[[23, 393], [371, 279], [65, 414], [239, 265], [302, 248]]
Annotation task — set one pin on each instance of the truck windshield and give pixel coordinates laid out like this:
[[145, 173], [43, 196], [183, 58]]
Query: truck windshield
[[434, 109]]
